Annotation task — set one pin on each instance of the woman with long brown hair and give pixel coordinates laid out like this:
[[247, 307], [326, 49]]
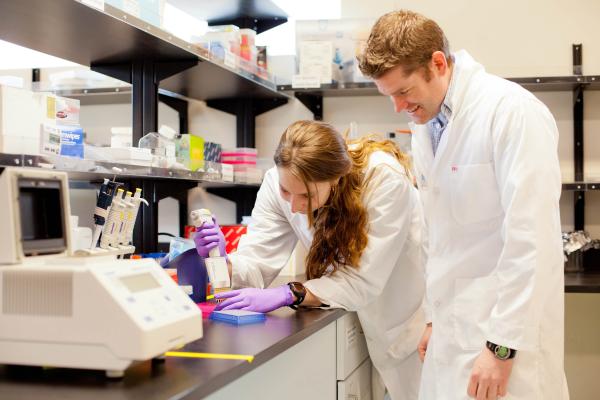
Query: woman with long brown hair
[[355, 209]]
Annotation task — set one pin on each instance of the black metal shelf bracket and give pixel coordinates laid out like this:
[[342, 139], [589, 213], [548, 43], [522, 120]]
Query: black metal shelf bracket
[[312, 101], [246, 110], [145, 237], [579, 196], [144, 76], [577, 57], [179, 105], [244, 197], [258, 24]]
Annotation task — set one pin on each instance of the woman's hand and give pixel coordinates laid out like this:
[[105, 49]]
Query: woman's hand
[[252, 299], [207, 237]]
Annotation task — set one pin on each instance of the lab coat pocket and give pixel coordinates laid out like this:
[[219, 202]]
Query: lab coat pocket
[[474, 300], [474, 192], [405, 338]]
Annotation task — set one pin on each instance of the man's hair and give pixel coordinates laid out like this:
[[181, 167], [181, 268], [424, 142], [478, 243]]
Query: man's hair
[[402, 38]]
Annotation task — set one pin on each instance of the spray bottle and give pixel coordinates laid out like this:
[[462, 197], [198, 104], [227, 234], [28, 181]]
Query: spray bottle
[[216, 266]]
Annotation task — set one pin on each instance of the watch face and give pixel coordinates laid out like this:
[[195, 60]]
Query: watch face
[[502, 352], [298, 288]]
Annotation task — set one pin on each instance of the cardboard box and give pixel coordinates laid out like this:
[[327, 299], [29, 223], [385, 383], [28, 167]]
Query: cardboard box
[[232, 234], [212, 152], [61, 140]]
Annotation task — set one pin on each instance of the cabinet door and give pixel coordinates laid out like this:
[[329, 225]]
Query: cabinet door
[[351, 345], [358, 385]]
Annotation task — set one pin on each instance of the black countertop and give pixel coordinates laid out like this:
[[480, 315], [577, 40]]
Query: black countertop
[[174, 377], [582, 283]]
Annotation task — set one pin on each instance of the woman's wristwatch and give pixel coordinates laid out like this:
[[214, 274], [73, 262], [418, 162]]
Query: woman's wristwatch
[[299, 292], [501, 352]]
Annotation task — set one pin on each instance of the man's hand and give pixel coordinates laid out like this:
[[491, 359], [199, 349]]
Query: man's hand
[[489, 377], [422, 348]]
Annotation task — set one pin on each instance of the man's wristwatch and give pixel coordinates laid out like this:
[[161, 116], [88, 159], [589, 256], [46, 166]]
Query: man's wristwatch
[[299, 292], [501, 352]]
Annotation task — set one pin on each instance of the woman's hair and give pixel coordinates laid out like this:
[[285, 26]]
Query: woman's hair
[[315, 152], [402, 38]]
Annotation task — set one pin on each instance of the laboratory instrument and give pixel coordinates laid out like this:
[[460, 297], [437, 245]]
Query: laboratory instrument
[[116, 213], [216, 266], [89, 311], [132, 216], [105, 197]]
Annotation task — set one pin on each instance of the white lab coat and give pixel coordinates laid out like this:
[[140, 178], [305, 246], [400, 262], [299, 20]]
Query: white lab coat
[[495, 266], [386, 291]]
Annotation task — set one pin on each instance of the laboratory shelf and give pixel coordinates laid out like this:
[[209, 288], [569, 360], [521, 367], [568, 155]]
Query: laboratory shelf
[[582, 283], [93, 170], [336, 89], [110, 38], [96, 96], [259, 15], [581, 186], [541, 84], [106, 95]]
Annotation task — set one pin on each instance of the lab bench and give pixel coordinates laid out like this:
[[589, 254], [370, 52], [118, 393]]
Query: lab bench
[[297, 354]]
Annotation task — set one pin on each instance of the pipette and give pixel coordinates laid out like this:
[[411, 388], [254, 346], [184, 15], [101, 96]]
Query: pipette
[[123, 216], [111, 227], [131, 216], [105, 196], [216, 266]]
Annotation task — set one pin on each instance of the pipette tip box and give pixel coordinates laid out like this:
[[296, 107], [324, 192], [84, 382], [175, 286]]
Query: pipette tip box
[[238, 317], [207, 308]]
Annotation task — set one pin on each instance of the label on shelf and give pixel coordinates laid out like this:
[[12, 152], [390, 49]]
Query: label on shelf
[[306, 81]]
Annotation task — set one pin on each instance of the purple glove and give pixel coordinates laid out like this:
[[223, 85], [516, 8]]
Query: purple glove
[[252, 299], [207, 237]]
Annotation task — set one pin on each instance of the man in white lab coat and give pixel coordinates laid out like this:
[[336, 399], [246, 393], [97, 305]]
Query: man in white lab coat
[[485, 154]]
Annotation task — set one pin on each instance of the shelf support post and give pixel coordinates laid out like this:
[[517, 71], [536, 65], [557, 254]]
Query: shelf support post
[[312, 101]]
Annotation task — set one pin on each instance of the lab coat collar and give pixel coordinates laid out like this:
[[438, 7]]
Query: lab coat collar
[[464, 69]]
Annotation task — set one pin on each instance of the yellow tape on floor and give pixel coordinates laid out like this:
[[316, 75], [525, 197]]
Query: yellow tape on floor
[[187, 354]]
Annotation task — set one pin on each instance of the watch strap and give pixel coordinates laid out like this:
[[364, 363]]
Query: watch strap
[[501, 352], [299, 292]]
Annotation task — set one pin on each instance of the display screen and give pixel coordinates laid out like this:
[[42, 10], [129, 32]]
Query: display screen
[[41, 215], [140, 282]]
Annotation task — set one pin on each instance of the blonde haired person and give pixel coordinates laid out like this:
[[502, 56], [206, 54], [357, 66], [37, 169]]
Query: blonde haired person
[[356, 211], [486, 162]]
